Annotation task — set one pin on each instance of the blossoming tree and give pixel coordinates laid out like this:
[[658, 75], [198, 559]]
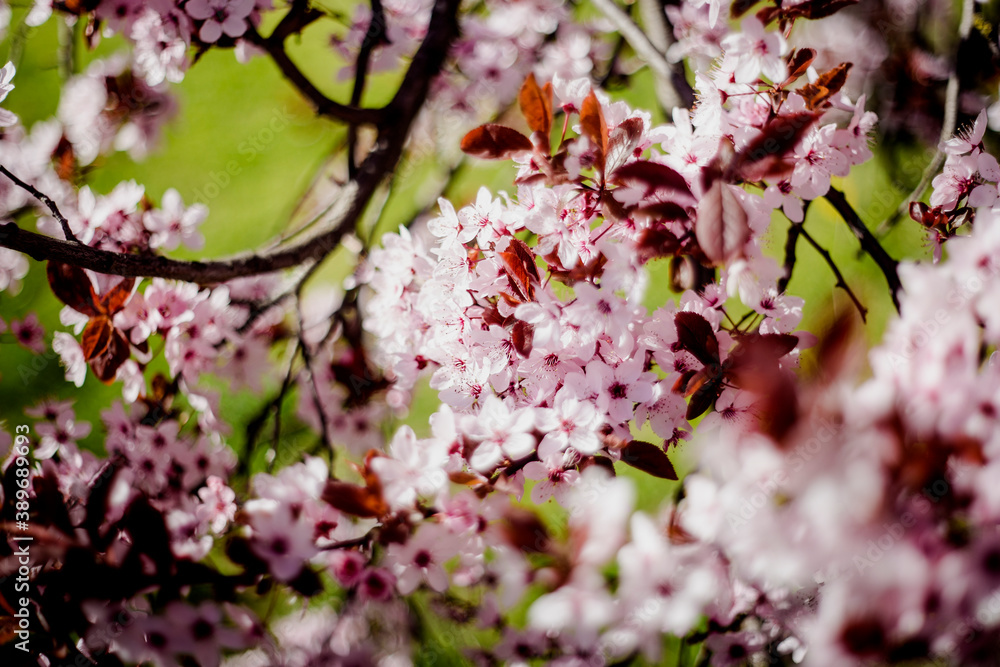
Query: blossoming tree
[[838, 504]]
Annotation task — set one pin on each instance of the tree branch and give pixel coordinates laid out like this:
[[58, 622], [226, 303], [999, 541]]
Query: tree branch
[[841, 283], [661, 35], [275, 47], [868, 242], [394, 122], [374, 36], [45, 199], [646, 50], [790, 245]]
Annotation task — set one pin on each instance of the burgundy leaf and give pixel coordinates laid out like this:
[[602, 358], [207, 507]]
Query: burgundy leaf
[[657, 178], [356, 500], [536, 105], [648, 458], [798, 63], [703, 399], [721, 227], [521, 337], [495, 142], [96, 337], [519, 264], [595, 127], [695, 335], [774, 142], [106, 364], [73, 287], [116, 298], [622, 142]]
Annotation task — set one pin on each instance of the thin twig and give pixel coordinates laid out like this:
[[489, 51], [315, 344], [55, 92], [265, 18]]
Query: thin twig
[[869, 243], [841, 283], [948, 122], [790, 246], [45, 199]]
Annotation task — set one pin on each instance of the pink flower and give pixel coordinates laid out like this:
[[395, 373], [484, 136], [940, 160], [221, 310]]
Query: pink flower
[[173, 224], [421, 559], [553, 477], [64, 432], [218, 507], [220, 16], [29, 333], [6, 76], [501, 431]]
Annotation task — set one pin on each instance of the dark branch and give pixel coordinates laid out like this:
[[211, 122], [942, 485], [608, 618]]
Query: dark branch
[[790, 243], [841, 283], [275, 47], [394, 122], [45, 199], [374, 36], [868, 242]]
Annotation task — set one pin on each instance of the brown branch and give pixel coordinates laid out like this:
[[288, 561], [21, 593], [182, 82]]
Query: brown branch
[[841, 283], [790, 246], [644, 47], [45, 199], [324, 105], [375, 36], [393, 123], [790, 243], [868, 242]]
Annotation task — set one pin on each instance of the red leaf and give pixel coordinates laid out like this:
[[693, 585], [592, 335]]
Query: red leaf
[[521, 337], [622, 142], [106, 365], [798, 62], [519, 263], [73, 287], [658, 178], [721, 227], [595, 127], [361, 501], [829, 83], [525, 531], [96, 337], [495, 142], [695, 335], [758, 354], [649, 458], [774, 142], [116, 298], [703, 398], [536, 106], [656, 241]]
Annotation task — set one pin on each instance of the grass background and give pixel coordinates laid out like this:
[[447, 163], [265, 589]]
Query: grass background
[[226, 109]]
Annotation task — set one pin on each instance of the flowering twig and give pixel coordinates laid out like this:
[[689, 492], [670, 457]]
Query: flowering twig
[[45, 199]]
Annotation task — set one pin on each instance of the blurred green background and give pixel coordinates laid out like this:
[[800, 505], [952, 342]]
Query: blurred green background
[[225, 108]]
